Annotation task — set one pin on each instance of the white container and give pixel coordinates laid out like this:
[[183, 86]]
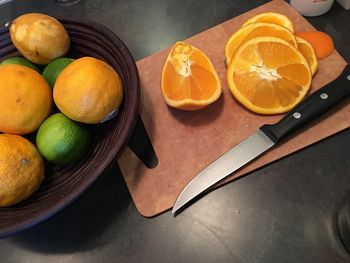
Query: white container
[[312, 7], [344, 3]]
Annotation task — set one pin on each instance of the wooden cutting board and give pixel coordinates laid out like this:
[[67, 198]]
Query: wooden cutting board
[[186, 142]]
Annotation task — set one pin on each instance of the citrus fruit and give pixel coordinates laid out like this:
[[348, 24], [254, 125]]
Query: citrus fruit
[[21, 169], [308, 52], [268, 75], [88, 90], [256, 30], [320, 41], [189, 80], [273, 18], [54, 68], [40, 38], [25, 100], [20, 61], [61, 140]]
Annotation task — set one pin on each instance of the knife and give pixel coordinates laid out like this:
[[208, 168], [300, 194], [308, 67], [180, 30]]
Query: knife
[[266, 137]]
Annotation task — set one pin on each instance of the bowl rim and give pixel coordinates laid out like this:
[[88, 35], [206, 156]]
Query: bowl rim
[[125, 134]]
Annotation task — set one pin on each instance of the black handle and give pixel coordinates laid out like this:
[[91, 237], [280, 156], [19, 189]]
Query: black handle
[[313, 106]]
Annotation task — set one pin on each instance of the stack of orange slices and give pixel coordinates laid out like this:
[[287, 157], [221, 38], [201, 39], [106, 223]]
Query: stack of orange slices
[[269, 69]]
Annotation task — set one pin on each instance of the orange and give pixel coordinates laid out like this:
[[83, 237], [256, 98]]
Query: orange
[[88, 90], [21, 169], [25, 100], [256, 30], [189, 80], [273, 18], [268, 75], [308, 52], [320, 41]]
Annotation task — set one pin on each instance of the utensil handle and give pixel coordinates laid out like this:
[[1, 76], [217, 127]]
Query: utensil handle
[[313, 106]]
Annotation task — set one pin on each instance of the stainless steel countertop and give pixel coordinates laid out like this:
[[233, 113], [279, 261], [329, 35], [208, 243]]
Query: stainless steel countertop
[[284, 212]]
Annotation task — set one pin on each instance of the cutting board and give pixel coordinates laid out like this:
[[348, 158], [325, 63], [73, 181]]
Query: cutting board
[[186, 142]]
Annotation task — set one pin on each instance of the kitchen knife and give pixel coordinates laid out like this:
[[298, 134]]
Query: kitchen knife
[[266, 137]]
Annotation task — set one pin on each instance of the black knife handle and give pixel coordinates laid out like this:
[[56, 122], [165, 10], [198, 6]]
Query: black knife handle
[[313, 106]]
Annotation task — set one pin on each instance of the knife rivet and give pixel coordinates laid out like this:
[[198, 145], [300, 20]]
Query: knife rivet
[[348, 77], [296, 115], [324, 96], [7, 24]]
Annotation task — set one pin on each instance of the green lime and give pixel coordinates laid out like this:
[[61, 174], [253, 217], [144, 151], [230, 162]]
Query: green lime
[[20, 61], [54, 68], [61, 140]]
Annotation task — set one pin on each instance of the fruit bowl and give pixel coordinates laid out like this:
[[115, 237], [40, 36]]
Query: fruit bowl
[[63, 184]]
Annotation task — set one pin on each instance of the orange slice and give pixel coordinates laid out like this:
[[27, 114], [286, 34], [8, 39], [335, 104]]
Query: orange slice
[[256, 30], [189, 80], [268, 75], [308, 52], [273, 18]]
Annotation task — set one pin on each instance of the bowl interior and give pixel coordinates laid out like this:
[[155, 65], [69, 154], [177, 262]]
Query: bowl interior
[[63, 184]]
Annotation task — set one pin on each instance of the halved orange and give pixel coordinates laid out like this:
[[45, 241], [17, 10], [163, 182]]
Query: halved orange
[[273, 18], [309, 53], [256, 30], [189, 80], [269, 75]]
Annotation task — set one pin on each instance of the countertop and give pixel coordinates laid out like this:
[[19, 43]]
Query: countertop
[[284, 212]]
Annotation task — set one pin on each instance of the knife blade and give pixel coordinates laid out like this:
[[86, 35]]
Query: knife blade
[[266, 137]]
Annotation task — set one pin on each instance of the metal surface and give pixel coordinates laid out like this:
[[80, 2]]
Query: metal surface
[[238, 156], [284, 212]]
